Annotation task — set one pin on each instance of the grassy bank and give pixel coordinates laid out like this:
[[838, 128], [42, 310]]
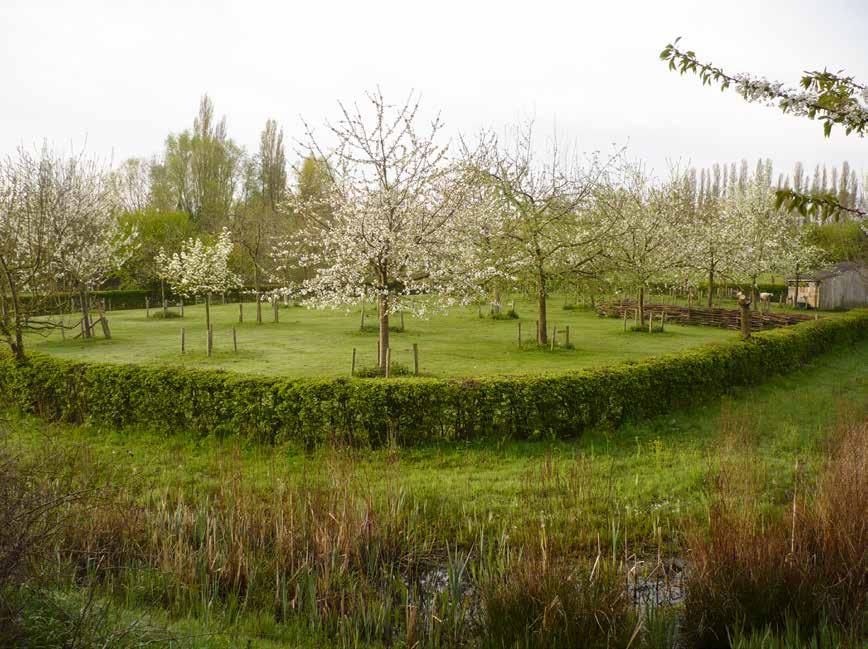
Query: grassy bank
[[340, 546]]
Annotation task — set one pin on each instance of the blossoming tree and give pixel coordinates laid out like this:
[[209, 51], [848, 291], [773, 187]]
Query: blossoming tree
[[538, 210], [648, 244], [200, 269], [393, 231]]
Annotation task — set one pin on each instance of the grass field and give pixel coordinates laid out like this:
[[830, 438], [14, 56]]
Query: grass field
[[632, 491], [320, 343]]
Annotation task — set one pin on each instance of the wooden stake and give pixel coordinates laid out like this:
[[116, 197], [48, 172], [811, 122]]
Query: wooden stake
[[353, 367], [388, 368], [241, 313], [625, 319], [234, 340], [147, 307], [662, 321], [519, 334], [415, 359], [182, 340], [650, 323], [567, 336], [554, 340]]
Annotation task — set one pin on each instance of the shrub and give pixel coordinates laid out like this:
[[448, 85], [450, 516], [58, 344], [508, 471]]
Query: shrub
[[414, 409]]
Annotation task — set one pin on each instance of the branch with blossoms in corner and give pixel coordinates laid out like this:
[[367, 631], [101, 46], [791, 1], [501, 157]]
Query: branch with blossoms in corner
[[826, 96]]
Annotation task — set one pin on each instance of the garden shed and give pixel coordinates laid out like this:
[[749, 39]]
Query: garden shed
[[843, 285]]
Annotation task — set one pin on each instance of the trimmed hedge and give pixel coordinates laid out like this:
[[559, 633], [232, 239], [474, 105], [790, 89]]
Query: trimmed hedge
[[412, 410]]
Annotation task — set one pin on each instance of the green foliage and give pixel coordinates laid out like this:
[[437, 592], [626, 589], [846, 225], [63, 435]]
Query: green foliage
[[409, 410], [840, 241], [156, 230]]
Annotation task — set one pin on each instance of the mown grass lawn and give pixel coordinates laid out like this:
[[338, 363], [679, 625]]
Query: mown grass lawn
[[310, 343]]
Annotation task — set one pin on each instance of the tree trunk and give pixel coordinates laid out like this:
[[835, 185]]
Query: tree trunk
[[542, 336], [207, 312], [796, 293], [258, 295], [85, 310], [163, 298], [383, 313], [641, 306], [710, 285], [754, 293]]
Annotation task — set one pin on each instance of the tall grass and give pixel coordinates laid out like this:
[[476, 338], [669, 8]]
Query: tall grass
[[759, 571]]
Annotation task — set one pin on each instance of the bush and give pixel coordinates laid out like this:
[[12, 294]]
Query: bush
[[409, 410]]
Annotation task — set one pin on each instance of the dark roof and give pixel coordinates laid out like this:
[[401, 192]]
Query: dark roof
[[830, 271]]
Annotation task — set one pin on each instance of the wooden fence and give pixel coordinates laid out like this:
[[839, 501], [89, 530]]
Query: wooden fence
[[713, 317]]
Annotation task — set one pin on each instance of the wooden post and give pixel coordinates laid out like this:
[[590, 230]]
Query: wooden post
[[147, 307], [210, 341], [554, 340], [388, 369], [241, 313], [662, 321], [519, 334], [625, 319], [567, 340], [650, 323], [353, 367], [182, 340], [234, 340], [415, 359]]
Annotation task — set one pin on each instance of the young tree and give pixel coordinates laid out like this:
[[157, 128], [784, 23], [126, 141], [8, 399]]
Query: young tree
[[538, 210], [91, 242], [29, 196], [258, 221], [393, 226], [648, 244], [200, 269], [769, 239], [709, 235]]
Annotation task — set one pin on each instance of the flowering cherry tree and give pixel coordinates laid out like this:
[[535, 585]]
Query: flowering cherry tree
[[393, 227], [537, 224], [200, 269], [768, 239], [648, 244], [90, 242]]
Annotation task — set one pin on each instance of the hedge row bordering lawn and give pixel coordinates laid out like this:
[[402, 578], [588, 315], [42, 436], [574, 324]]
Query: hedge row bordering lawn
[[411, 410]]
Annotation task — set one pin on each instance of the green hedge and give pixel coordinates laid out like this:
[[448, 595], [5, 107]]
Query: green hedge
[[374, 411]]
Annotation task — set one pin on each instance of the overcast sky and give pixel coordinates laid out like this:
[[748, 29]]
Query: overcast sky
[[122, 75]]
